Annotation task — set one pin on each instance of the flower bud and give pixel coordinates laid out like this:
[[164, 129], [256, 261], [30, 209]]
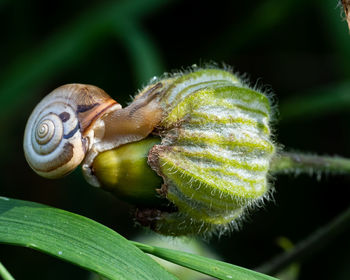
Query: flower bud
[[124, 172], [213, 156]]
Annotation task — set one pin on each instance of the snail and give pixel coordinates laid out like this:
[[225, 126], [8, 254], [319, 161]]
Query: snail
[[75, 122], [192, 151]]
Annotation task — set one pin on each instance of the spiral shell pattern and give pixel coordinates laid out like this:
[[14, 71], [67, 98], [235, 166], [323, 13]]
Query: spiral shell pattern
[[52, 138], [58, 132], [215, 151]]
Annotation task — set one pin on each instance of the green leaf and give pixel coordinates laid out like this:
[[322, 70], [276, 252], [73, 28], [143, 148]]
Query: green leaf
[[317, 102], [4, 273], [76, 239], [218, 269]]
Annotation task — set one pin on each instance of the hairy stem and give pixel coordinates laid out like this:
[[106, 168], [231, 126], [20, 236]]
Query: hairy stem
[[4, 273], [308, 246], [297, 163], [287, 162]]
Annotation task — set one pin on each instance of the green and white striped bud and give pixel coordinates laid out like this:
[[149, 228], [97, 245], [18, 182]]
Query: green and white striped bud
[[214, 153]]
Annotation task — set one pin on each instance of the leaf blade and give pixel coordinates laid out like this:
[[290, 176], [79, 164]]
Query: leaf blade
[[215, 268], [75, 239]]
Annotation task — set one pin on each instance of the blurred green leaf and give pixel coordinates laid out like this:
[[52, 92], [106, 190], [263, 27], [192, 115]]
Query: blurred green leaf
[[65, 47], [316, 103], [337, 33], [218, 269], [75, 239], [264, 17], [308, 247], [144, 55], [4, 273]]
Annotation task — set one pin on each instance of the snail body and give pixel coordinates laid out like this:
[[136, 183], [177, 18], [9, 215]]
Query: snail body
[[199, 144]]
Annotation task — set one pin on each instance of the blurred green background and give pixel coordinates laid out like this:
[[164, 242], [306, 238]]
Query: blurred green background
[[300, 50]]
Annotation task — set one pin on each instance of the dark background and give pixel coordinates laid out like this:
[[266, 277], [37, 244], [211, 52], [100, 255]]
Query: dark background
[[298, 49]]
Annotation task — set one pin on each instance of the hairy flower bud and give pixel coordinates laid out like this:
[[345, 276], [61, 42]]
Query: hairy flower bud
[[214, 153]]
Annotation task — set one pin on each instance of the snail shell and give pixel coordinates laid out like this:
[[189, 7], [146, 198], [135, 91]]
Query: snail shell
[[63, 127]]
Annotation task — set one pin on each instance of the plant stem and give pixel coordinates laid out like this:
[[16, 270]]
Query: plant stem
[[287, 162], [308, 246], [4, 273]]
